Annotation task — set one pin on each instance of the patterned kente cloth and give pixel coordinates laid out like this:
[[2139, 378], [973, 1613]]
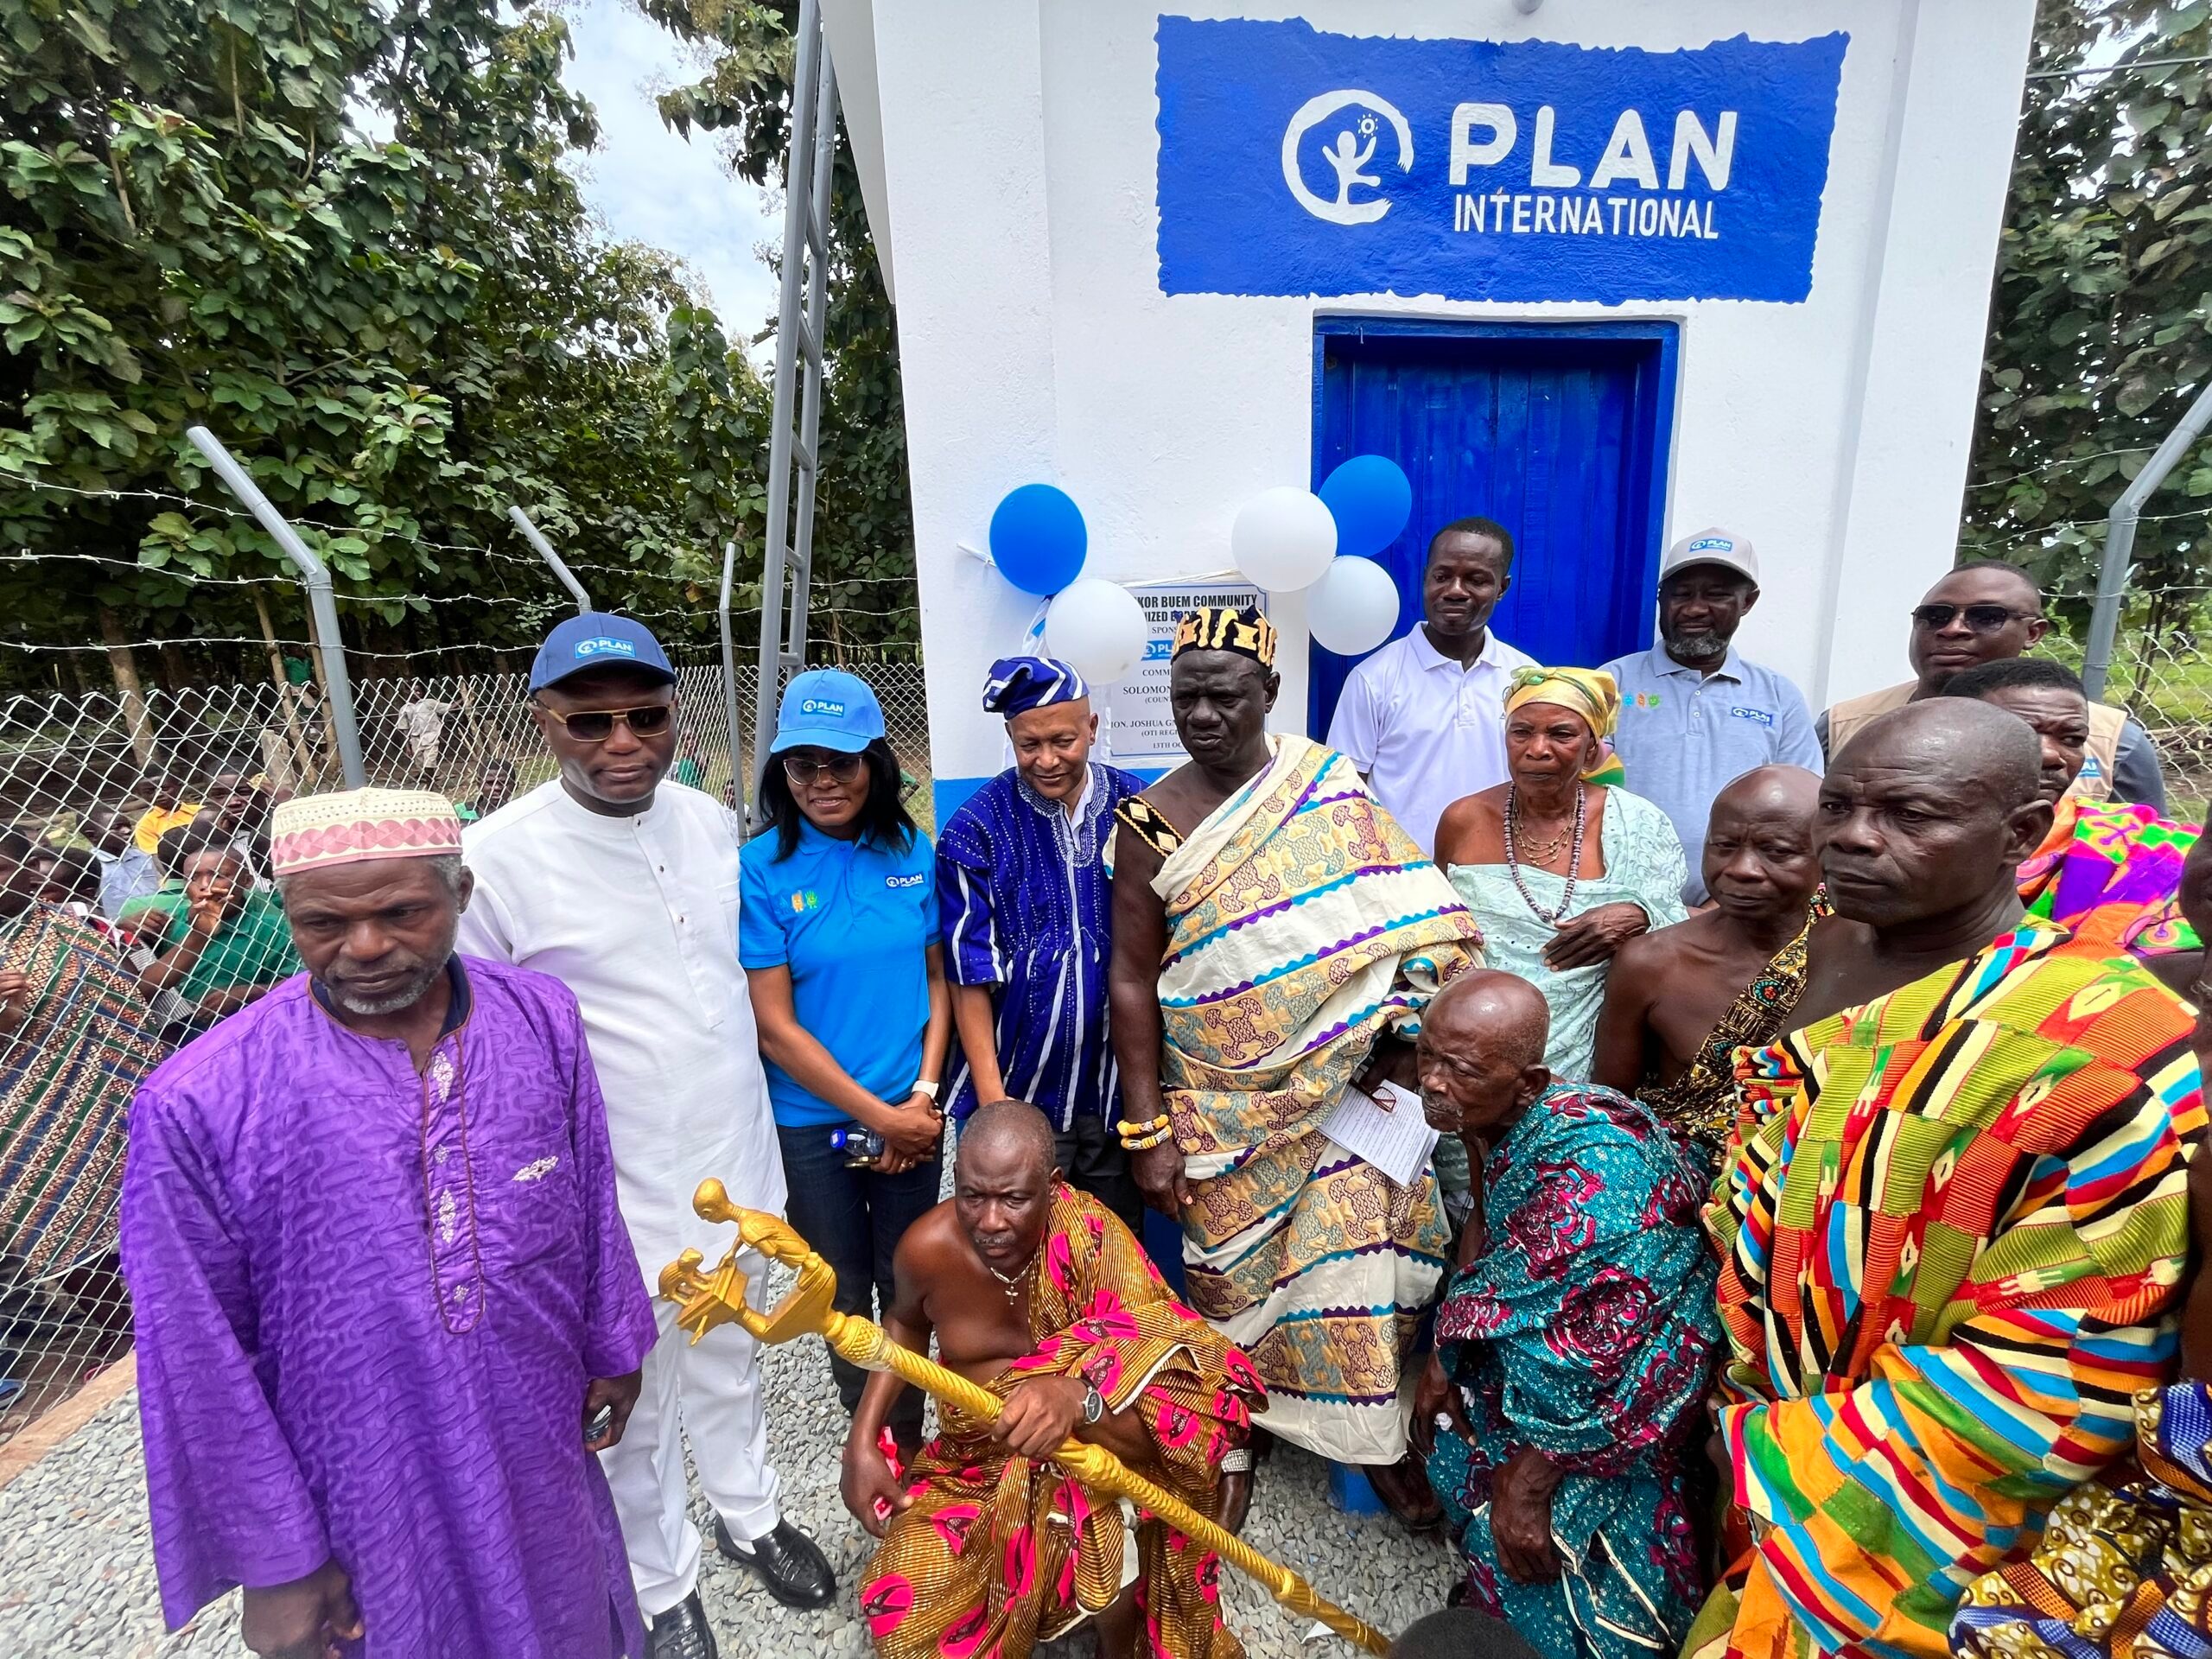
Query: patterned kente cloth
[[1700, 1104], [1952, 1231], [67, 1073], [2125, 1565], [997, 1553], [1302, 924], [2108, 872], [1584, 1329]]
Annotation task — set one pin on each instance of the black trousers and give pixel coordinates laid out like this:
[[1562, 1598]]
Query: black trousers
[[1091, 1156]]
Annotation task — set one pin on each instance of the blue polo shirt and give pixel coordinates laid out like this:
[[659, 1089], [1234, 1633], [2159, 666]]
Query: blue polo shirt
[[1686, 736], [851, 920]]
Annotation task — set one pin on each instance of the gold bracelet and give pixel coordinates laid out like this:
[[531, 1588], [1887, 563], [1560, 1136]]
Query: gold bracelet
[[1143, 1137], [1126, 1129], [1148, 1142]]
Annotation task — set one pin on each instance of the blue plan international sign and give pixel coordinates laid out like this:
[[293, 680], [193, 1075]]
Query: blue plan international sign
[[1295, 162]]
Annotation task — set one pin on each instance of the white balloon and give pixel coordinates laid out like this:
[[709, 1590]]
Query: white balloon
[[1097, 626], [1283, 539], [1354, 607]]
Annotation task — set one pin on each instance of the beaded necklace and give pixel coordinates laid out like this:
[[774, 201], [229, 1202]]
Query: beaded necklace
[[1550, 918]]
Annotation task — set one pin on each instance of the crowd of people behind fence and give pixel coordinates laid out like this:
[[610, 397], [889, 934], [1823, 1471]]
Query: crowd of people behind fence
[[1726, 1173]]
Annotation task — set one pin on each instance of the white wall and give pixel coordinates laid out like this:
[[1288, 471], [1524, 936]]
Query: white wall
[[1018, 166]]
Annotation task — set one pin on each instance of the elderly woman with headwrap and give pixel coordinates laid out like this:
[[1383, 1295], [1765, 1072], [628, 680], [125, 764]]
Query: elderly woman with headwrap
[[1560, 865]]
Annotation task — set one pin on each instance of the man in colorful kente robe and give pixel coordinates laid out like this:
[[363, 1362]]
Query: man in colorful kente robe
[[1575, 1345], [1276, 935], [2107, 870], [993, 1547], [1954, 1225]]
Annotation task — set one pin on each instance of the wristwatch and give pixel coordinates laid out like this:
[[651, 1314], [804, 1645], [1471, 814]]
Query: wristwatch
[[924, 1086], [1094, 1404]]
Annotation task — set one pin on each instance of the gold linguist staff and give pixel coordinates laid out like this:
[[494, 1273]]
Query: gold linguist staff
[[1025, 1518]]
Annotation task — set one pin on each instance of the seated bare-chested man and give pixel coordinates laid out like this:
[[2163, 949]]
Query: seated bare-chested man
[[1682, 1000], [1040, 1294]]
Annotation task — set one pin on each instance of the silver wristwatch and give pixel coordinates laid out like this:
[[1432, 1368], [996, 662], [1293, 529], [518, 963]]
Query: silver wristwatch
[[1094, 1404]]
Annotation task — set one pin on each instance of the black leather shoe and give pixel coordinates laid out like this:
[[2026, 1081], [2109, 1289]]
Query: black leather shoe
[[795, 1571], [682, 1632]]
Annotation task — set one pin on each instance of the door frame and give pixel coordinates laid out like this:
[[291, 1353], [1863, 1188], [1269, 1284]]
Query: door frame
[[1653, 421]]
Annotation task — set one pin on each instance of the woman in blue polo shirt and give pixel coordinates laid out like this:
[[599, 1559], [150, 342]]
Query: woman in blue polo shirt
[[838, 936]]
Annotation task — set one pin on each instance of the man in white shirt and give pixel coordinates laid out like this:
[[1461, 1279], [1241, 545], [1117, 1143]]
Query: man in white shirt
[[626, 887], [1424, 718]]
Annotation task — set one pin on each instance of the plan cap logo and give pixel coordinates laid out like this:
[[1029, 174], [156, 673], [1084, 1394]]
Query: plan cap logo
[[822, 706], [602, 645], [1347, 156]]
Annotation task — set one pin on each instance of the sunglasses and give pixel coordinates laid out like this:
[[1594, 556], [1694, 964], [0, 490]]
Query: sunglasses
[[597, 725], [842, 767], [1982, 619]]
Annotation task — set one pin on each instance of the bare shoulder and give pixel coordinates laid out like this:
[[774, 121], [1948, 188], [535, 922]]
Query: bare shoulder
[[930, 1245], [1469, 815]]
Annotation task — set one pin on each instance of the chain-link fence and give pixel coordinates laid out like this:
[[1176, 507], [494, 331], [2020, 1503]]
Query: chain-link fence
[[2162, 675], [135, 911]]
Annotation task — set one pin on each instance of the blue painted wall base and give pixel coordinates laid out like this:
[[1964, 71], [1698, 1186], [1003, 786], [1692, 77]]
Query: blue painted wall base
[[1349, 1492]]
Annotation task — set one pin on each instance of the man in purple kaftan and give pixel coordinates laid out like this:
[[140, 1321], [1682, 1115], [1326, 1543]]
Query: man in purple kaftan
[[382, 1281]]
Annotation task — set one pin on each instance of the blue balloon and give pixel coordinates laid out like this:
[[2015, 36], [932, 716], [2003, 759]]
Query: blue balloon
[[1371, 498], [1037, 539]]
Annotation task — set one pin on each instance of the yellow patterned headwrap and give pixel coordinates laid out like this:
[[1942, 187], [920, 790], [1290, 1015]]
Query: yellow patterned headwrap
[[1244, 629], [1590, 692]]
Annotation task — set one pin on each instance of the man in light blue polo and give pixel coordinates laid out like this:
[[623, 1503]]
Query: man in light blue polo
[[1695, 715]]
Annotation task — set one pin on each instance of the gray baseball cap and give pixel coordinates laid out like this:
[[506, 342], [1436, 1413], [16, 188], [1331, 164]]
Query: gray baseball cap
[[1713, 546]]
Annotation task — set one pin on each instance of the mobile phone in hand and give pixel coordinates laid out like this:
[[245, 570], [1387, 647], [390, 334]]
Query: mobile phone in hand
[[599, 1422]]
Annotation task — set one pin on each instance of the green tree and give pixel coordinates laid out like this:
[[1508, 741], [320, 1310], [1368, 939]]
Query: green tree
[[863, 529], [400, 333]]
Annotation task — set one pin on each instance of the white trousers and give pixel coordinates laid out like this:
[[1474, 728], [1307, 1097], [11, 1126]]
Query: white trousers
[[714, 1390]]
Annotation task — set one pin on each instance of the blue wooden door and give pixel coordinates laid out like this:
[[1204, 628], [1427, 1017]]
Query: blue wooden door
[[1557, 431]]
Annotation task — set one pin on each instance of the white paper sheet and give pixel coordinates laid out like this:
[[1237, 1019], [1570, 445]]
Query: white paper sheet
[[1385, 1129]]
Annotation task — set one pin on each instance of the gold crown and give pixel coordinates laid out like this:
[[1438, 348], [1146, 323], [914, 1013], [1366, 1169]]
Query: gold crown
[[1245, 630]]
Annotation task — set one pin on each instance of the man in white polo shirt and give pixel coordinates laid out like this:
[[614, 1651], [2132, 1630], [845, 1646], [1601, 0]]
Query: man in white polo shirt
[[1695, 715], [1424, 718], [626, 887]]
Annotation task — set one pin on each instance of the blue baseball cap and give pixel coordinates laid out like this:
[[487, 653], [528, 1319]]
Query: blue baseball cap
[[828, 708], [597, 640]]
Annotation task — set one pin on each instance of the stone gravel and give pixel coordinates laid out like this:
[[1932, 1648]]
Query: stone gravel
[[77, 1576]]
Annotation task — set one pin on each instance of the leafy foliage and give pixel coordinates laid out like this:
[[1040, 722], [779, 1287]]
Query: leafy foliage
[[398, 334], [2100, 331]]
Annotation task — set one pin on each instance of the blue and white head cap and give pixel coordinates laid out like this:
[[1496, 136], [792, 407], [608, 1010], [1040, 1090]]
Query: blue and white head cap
[[1712, 546], [597, 640], [827, 708], [1021, 683]]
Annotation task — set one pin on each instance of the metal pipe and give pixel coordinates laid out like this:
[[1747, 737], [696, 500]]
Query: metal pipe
[[2119, 540], [809, 419], [531, 535], [729, 679], [321, 602]]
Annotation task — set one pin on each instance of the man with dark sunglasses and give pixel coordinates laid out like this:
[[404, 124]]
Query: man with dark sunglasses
[[1991, 611], [625, 884]]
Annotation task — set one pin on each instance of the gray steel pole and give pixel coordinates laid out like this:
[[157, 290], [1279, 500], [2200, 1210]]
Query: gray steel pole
[[316, 580], [809, 419], [798, 195], [531, 535], [729, 678], [2119, 540]]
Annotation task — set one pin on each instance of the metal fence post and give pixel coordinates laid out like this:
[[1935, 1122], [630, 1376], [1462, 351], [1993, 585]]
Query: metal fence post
[[730, 680], [320, 602], [531, 534], [2120, 541]]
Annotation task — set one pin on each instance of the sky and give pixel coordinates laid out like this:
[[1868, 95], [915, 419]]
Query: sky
[[650, 184]]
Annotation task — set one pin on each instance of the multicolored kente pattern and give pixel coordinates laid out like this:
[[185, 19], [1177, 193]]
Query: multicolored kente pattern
[[67, 1072], [2125, 1566], [1303, 923], [1952, 1231], [2109, 872], [1585, 1328], [997, 1554]]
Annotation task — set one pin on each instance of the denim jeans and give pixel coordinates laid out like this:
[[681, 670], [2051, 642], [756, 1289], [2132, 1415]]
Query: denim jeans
[[854, 1218]]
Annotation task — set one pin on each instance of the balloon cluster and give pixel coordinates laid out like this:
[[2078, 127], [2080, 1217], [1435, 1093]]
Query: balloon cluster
[[1283, 540], [1288, 538]]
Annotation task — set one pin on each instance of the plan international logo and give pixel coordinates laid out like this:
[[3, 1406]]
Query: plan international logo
[[1297, 163]]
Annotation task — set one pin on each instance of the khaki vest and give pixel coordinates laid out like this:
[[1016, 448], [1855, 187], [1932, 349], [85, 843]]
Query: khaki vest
[[1846, 717]]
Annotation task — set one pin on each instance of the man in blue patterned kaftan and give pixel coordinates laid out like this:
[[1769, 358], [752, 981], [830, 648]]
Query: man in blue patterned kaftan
[[1024, 897]]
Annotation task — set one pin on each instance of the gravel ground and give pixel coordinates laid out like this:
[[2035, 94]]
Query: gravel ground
[[77, 1577]]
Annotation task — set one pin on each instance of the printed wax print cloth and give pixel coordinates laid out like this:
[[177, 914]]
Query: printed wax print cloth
[[369, 1301], [1951, 1231], [997, 1553], [1700, 1104], [2125, 1565], [2110, 873], [1302, 924], [1585, 1329], [1025, 900], [1643, 865], [72, 1052]]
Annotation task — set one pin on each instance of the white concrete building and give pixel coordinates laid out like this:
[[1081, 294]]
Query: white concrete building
[[1605, 270]]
